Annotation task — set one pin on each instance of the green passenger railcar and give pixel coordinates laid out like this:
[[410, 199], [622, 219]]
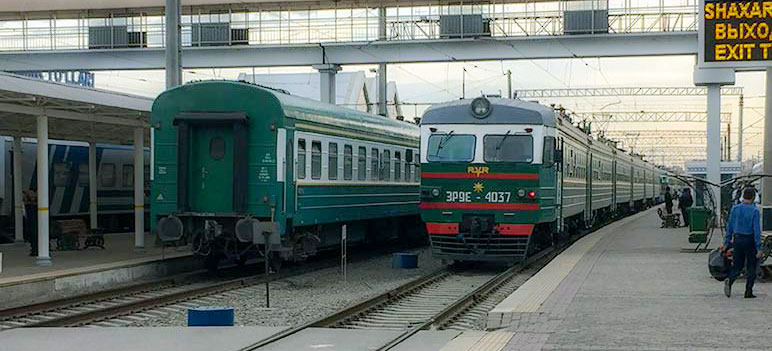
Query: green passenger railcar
[[235, 161], [503, 178]]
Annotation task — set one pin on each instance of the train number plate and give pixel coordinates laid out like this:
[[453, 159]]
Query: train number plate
[[458, 196], [498, 196]]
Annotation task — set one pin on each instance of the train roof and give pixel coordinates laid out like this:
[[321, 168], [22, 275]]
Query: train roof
[[307, 110], [503, 111]]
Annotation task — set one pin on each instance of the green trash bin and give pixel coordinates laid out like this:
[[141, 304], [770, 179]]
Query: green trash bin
[[698, 224]]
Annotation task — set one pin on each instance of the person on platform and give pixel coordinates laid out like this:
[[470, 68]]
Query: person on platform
[[668, 201], [684, 202], [743, 231], [31, 220]]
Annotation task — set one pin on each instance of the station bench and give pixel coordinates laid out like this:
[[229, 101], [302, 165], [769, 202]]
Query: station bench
[[70, 233], [672, 220]]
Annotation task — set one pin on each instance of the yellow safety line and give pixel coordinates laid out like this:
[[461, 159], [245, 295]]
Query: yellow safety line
[[42, 208]]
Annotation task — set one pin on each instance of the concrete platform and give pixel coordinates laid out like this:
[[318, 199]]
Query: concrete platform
[[132, 339], [77, 272], [629, 287]]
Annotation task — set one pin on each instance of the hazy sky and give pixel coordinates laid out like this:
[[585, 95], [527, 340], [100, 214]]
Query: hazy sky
[[437, 82]]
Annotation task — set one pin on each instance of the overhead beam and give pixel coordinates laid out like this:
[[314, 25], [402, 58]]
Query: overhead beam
[[622, 91], [414, 51], [649, 116], [76, 116]]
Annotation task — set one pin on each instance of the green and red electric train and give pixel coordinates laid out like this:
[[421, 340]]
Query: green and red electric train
[[502, 177]]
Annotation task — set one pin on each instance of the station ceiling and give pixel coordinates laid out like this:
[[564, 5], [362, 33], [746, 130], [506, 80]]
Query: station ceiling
[[75, 113]]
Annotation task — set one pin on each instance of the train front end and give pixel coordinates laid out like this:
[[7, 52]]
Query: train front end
[[488, 181]]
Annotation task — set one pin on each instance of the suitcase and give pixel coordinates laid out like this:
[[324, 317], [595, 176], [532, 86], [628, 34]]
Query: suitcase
[[718, 265]]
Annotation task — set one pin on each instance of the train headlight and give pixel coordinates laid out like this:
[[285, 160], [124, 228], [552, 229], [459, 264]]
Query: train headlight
[[532, 194], [481, 107], [435, 192], [521, 192]]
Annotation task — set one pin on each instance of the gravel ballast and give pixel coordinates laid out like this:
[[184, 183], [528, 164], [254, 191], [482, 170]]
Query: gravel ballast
[[303, 298]]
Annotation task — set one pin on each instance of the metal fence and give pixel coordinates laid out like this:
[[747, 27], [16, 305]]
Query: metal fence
[[351, 24]]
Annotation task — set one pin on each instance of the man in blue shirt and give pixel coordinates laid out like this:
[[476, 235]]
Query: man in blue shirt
[[745, 227]]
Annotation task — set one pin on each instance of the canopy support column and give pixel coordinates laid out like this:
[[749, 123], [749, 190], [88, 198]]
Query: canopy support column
[[327, 74], [44, 257], [18, 196]]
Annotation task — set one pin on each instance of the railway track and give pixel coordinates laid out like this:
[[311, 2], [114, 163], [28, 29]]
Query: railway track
[[445, 299], [128, 305]]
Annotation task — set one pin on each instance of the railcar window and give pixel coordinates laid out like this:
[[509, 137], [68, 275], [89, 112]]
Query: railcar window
[[107, 175], [508, 148], [397, 166], [347, 162], [549, 151], [128, 176], [374, 163], [386, 165], [316, 160], [332, 161], [408, 164], [61, 173], [450, 148], [217, 148], [83, 174], [301, 171], [362, 163]]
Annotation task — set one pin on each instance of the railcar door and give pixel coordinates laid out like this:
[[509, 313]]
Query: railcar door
[[211, 169]]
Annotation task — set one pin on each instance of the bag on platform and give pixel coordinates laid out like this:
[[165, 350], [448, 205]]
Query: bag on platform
[[718, 265]]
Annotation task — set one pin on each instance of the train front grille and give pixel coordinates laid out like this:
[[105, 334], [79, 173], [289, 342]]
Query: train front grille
[[483, 248]]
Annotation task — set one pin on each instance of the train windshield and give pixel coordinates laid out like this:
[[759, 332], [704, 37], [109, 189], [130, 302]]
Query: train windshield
[[508, 148], [450, 148]]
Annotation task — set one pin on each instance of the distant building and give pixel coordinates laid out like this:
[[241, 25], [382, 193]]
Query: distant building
[[352, 89]]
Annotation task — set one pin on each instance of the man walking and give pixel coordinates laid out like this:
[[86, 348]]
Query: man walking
[[668, 201], [744, 227], [684, 202]]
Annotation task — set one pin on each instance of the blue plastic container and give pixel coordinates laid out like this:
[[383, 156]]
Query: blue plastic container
[[404, 260], [210, 316]]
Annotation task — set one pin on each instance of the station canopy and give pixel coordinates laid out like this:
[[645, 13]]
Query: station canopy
[[74, 112]]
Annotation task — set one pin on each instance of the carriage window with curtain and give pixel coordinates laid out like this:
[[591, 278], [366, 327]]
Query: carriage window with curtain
[[347, 162], [362, 163], [332, 153], [301, 165], [316, 160]]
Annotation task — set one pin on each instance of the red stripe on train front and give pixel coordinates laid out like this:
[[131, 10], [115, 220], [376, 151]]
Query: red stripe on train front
[[514, 229], [480, 206], [461, 175], [442, 228]]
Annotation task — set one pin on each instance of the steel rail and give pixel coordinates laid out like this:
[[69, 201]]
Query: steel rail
[[72, 301]]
